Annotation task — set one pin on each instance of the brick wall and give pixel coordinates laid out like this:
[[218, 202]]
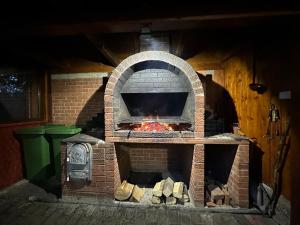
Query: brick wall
[[149, 157], [155, 158], [229, 164], [197, 174], [238, 181], [103, 179], [75, 101], [156, 80], [113, 162]]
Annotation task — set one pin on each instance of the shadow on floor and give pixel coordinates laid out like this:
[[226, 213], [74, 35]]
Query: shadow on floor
[[25, 190], [51, 186]]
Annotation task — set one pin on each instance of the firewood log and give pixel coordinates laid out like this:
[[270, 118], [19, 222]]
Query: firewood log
[[178, 190], [215, 192], [168, 187], [156, 200], [210, 204], [137, 194], [171, 200], [186, 197], [158, 188], [124, 191]]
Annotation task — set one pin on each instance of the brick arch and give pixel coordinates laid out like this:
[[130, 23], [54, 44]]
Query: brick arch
[[166, 57], [123, 71]]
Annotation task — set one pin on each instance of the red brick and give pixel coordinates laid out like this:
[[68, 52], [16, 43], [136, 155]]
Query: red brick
[[99, 178], [70, 97], [98, 153], [109, 168], [108, 98], [199, 101], [113, 79], [110, 85], [244, 172], [108, 110], [243, 166]]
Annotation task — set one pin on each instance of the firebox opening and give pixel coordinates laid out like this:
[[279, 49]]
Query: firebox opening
[[220, 175], [149, 165], [144, 178], [155, 104], [146, 164]]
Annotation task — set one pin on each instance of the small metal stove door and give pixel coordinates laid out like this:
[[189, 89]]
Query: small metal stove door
[[79, 161]]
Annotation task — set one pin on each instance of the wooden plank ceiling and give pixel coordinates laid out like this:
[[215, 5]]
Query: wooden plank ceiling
[[97, 37]]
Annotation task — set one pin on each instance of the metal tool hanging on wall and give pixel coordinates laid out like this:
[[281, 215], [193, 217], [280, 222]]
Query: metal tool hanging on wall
[[255, 85], [274, 118]]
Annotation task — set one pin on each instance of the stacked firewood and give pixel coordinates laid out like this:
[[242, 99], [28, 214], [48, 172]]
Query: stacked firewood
[[128, 191], [216, 193], [166, 191], [169, 192]]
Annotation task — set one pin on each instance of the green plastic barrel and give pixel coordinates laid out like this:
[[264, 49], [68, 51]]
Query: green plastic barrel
[[55, 135], [36, 153]]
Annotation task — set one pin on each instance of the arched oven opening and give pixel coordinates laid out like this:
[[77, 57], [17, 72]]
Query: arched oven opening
[[154, 94]]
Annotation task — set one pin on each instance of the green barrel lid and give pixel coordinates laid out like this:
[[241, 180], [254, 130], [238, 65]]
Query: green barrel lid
[[63, 130]]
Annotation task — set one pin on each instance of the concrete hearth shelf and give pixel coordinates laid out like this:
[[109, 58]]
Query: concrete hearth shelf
[[226, 138]]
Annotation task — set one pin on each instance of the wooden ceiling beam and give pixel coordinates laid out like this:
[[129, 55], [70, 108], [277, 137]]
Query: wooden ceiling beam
[[157, 24], [110, 57], [61, 65], [39, 58]]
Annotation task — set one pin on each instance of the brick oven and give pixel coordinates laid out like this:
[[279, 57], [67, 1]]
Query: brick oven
[[157, 86], [154, 97], [154, 122]]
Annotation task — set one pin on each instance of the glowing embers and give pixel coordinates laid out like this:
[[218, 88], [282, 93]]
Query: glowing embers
[[155, 126]]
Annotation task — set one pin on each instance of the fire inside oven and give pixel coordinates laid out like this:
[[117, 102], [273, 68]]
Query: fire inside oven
[[155, 112], [155, 126]]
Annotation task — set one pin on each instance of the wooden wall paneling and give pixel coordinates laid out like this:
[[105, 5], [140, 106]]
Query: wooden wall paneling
[[274, 69]]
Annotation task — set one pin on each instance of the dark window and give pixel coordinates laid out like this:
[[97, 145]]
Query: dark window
[[20, 96]]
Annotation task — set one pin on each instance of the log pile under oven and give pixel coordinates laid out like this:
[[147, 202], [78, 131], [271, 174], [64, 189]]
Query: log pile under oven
[[165, 191], [216, 193]]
